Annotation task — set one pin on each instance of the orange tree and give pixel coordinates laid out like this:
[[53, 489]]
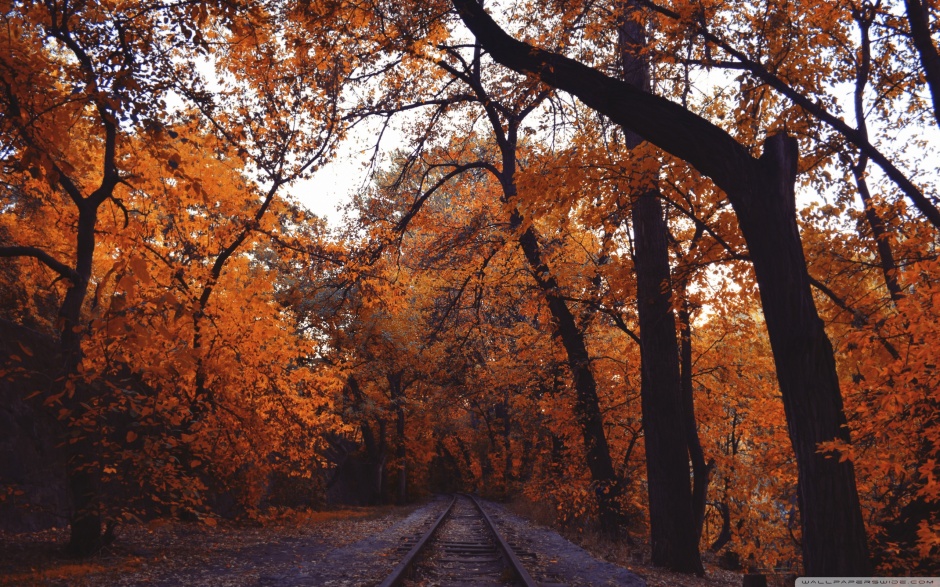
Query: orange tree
[[74, 83], [85, 122]]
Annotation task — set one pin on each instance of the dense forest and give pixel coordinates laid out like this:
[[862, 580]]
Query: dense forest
[[670, 267]]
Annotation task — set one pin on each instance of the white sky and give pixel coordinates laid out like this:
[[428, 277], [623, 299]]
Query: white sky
[[332, 186]]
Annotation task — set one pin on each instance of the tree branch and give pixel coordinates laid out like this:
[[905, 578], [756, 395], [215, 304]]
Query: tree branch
[[419, 202], [47, 259], [815, 109], [858, 316], [667, 125]]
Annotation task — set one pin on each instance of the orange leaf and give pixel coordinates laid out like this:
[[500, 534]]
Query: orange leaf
[[139, 266]]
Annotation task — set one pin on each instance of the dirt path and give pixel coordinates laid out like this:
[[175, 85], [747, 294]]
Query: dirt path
[[174, 554], [350, 548]]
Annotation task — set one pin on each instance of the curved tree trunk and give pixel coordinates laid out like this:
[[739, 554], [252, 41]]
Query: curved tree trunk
[[724, 535]]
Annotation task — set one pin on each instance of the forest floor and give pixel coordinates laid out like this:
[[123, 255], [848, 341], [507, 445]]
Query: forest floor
[[634, 558], [182, 553], [310, 548]]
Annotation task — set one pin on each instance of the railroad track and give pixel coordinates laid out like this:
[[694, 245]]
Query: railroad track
[[462, 548]]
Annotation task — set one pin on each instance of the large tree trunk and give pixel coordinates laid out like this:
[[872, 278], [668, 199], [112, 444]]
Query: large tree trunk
[[834, 541], [82, 469], [674, 529], [673, 534], [761, 192]]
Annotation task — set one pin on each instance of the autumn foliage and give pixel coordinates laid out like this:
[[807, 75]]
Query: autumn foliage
[[206, 347]]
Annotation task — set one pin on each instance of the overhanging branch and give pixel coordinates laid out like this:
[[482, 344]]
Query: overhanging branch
[[47, 259]]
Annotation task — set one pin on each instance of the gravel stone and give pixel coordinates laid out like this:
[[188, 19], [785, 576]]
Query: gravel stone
[[363, 563], [550, 558], [557, 560]]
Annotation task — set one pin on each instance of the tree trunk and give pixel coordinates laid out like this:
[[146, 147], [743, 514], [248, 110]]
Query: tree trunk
[[503, 412], [700, 470], [607, 486], [673, 535], [397, 393], [375, 453], [381, 460], [761, 191], [674, 528], [879, 233], [919, 19], [834, 541], [724, 535], [85, 535], [878, 230], [203, 396]]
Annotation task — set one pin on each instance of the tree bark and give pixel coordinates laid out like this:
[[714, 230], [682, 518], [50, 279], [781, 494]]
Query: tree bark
[[672, 524], [919, 19], [397, 393], [700, 470], [761, 192]]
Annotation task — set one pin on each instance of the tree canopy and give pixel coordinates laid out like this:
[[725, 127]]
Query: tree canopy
[[671, 267]]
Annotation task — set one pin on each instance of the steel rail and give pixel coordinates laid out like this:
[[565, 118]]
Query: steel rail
[[520, 570], [398, 574]]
